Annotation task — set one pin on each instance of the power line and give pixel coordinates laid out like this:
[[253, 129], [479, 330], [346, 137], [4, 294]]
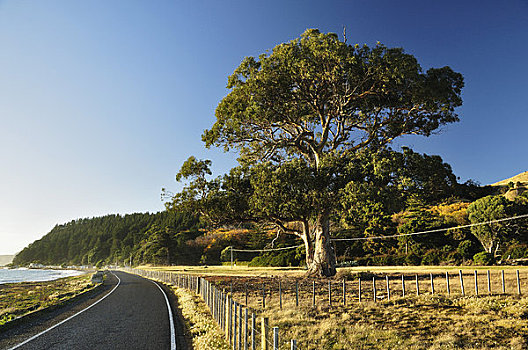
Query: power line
[[432, 231], [390, 236], [266, 250]]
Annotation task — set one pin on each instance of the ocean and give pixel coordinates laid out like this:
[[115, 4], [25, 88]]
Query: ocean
[[34, 275]]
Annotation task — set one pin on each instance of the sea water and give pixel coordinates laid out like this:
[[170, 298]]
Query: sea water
[[34, 275]]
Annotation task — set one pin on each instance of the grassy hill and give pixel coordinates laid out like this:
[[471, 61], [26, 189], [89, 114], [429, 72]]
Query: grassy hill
[[6, 259], [522, 178]]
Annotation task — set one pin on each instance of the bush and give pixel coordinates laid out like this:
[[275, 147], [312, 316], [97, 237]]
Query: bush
[[432, 257], [285, 258], [467, 249], [412, 259], [516, 251], [454, 258], [483, 258]]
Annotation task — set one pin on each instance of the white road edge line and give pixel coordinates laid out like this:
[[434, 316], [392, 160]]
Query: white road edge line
[[171, 319], [69, 318]]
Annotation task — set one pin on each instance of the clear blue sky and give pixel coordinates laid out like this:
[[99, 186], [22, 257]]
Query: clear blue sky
[[101, 101]]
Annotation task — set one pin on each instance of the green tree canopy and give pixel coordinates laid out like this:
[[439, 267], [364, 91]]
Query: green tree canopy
[[300, 113], [490, 208]]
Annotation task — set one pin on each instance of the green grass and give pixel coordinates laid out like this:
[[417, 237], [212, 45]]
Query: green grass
[[19, 299]]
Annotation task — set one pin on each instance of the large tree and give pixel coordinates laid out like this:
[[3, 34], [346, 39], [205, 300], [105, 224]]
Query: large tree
[[297, 114]]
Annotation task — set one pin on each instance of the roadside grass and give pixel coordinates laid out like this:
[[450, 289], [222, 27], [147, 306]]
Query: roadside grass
[[205, 333], [19, 299]]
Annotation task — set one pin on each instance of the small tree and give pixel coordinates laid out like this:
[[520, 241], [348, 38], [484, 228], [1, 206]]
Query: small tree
[[488, 209]]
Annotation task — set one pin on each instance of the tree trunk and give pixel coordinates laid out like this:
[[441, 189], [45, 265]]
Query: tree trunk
[[323, 258], [308, 244]]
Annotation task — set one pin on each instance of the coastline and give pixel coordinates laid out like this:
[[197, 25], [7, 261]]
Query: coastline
[[23, 274], [22, 299]]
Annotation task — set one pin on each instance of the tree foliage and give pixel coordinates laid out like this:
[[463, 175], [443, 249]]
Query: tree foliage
[[490, 208], [298, 116]]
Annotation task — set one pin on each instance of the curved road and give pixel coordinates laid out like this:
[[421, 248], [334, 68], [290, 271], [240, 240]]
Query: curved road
[[133, 314]]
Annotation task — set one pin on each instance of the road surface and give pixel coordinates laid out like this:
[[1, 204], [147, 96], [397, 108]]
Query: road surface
[[132, 313]]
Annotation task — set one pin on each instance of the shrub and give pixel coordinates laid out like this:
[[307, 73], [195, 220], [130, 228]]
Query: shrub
[[467, 249], [412, 259], [516, 251], [284, 258], [483, 258], [432, 257], [454, 258]]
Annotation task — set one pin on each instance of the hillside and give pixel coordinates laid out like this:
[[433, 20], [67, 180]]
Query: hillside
[[522, 178], [6, 259], [141, 237]]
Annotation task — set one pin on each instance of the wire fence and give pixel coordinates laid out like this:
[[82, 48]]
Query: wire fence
[[237, 303], [259, 293], [242, 327]]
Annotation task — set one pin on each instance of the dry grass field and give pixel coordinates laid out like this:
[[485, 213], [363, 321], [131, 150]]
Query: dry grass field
[[477, 320]]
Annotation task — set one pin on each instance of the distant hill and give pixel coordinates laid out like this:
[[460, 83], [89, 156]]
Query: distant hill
[[6, 259], [522, 178], [137, 237]]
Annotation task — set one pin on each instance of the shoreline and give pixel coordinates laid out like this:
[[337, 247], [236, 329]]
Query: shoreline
[[21, 299], [21, 275]]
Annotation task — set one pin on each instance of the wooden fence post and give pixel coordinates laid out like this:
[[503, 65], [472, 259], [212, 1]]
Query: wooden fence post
[[503, 283], [476, 283], [461, 282], [518, 283], [313, 293], [329, 293], [447, 283], [264, 334], [246, 290], [388, 287], [359, 288], [344, 292], [280, 295], [403, 286], [489, 281], [275, 338], [417, 286], [240, 327], [253, 331], [374, 288], [227, 321], [432, 284], [263, 296], [246, 329], [297, 293], [235, 326], [293, 344]]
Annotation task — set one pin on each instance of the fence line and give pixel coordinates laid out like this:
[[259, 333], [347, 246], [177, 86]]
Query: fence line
[[245, 329], [261, 292], [236, 320]]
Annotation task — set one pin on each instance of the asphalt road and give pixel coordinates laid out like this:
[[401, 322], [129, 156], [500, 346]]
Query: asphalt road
[[132, 313]]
